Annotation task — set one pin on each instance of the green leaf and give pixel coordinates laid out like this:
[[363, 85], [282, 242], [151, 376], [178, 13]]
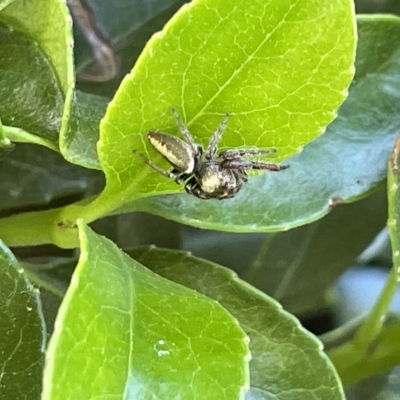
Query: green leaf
[[129, 25], [38, 97], [140, 336], [30, 96], [5, 3], [22, 332], [346, 163], [282, 350], [268, 65], [78, 145], [49, 81], [52, 274], [132, 15], [50, 26], [299, 275], [50, 178]]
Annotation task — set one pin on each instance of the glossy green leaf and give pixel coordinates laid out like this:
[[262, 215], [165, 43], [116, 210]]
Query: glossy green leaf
[[78, 144], [236, 251], [50, 178], [132, 14], [50, 25], [52, 274], [140, 336], [22, 332], [298, 275], [5, 3], [129, 24], [282, 350], [137, 229], [44, 94], [38, 97], [30, 96], [267, 64], [346, 163]]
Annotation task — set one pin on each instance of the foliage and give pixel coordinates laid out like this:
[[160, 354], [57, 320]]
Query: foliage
[[147, 322]]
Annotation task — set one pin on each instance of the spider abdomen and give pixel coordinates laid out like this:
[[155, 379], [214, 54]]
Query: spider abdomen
[[177, 152]]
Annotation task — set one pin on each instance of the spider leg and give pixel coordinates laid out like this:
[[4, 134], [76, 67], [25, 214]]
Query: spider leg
[[215, 138], [243, 164], [231, 154], [193, 188], [168, 174], [185, 132]]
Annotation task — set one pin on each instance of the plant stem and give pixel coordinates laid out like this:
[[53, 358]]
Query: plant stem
[[20, 136], [352, 366], [372, 326], [375, 347], [375, 320]]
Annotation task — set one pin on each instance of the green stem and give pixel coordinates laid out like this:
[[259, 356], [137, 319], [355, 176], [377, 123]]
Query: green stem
[[18, 135], [56, 226], [25, 229], [375, 348], [375, 320], [372, 326], [353, 366]]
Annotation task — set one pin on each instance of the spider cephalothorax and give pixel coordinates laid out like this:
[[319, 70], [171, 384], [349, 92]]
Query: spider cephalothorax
[[207, 176]]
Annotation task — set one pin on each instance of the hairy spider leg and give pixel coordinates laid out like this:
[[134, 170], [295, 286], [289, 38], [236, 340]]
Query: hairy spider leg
[[192, 187], [185, 132], [243, 164], [174, 174], [231, 154], [215, 138], [154, 166]]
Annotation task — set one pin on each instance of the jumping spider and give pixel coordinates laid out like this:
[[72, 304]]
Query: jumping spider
[[206, 176]]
